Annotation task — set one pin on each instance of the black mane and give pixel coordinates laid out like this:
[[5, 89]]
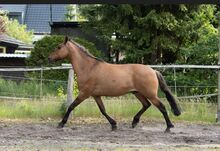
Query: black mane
[[85, 51]]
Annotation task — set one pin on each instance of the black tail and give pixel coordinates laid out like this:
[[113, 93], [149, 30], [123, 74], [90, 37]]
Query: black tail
[[171, 99]]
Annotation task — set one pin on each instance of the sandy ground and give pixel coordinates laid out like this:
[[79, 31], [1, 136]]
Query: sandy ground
[[146, 136]]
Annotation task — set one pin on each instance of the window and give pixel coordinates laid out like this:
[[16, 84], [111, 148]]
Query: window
[[15, 15], [2, 50]]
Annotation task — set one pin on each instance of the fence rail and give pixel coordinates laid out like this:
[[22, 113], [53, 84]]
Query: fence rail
[[68, 66]]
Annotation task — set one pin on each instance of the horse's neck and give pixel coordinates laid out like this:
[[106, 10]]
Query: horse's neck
[[81, 63]]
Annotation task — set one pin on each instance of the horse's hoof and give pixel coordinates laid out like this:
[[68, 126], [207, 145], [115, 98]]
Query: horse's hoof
[[171, 126], [135, 122], [134, 125], [167, 130], [60, 125], [114, 127]]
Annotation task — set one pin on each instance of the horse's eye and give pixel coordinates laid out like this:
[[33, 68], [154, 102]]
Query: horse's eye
[[58, 47]]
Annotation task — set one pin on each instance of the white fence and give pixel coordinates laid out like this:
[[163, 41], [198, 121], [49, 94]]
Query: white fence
[[161, 67]]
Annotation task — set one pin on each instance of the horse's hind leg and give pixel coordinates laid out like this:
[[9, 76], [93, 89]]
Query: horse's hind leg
[[163, 110], [146, 104], [102, 109]]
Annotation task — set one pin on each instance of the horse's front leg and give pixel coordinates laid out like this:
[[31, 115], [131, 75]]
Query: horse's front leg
[[103, 111], [81, 97]]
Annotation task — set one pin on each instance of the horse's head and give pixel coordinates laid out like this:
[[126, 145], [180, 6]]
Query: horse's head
[[60, 52]]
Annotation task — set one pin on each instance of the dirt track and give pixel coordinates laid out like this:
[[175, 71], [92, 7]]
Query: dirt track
[[147, 135]]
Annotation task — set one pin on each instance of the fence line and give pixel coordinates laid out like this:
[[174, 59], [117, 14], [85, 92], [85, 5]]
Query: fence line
[[187, 66], [69, 66], [198, 96], [34, 69]]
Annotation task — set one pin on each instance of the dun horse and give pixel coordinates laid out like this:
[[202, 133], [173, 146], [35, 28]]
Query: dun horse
[[97, 78]]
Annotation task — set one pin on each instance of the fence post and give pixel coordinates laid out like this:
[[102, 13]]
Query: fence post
[[70, 87], [218, 106], [174, 72], [41, 82]]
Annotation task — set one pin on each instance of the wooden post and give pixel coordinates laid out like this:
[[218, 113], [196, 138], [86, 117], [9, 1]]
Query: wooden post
[[41, 82], [174, 72], [70, 88], [218, 106]]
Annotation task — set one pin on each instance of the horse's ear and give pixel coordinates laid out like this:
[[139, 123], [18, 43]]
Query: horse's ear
[[66, 39]]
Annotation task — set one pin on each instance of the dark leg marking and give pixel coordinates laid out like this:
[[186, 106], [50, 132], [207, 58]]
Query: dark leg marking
[[162, 109], [146, 104], [75, 103], [103, 111]]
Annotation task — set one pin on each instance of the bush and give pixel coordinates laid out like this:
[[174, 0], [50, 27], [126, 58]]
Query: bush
[[39, 57], [45, 46]]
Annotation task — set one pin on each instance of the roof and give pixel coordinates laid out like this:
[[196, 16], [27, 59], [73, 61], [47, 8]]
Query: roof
[[38, 16], [13, 7], [7, 39]]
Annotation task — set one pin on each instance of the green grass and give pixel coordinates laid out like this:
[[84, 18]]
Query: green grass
[[191, 111], [29, 109], [116, 107], [29, 88]]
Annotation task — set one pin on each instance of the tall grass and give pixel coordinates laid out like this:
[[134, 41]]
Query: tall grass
[[30, 109], [27, 88], [116, 107], [191, 111]]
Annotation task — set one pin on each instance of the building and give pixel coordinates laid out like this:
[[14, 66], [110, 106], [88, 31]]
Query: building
[[12, 54], [36, 17], [12, 51]]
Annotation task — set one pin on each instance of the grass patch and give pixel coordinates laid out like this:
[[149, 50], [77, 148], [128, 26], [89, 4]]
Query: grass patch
[[116, 107], [127, 108], [30, 88], [30, 109]]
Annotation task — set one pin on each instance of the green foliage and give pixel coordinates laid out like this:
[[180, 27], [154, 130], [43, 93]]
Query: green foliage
[[162, 34], [149, 34], [42, 49], [73, 13], [28, 88], [18, 31], [14, 29], [75, 88], [119, 108], [69, 16], [203, 52], [39, 57], [30, 109], [90, 47]]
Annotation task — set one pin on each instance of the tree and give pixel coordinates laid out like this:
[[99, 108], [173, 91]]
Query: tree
[[73, 13], [42, 49], [18, 31], [167, 34], [148, 34], [14, 29]]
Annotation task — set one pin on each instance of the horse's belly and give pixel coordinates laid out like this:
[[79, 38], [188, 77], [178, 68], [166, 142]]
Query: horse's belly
[[113, 89]]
